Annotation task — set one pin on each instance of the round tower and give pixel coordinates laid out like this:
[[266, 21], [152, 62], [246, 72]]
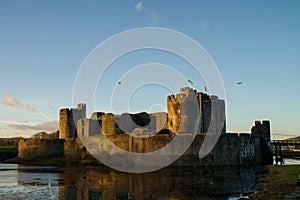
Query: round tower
[[64, 116], [173, 113]]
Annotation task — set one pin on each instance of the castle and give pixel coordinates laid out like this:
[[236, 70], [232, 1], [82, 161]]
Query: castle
[[73, 121], [149, 132]]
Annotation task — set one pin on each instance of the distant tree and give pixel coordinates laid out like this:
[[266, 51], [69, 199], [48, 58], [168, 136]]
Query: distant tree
[[44, 135], [9, 142], [2, 142]]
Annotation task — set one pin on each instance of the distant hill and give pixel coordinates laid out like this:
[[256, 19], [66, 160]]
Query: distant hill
[[13, 138], [294, 138]]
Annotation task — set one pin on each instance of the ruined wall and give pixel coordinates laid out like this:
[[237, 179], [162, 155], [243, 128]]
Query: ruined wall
[[68, 120], [222, 115], [212, 115], [89, 127], [108, 124], [262, 129], [235, 148], [73, 149], [174, 117], [97, 115], [182, 113], [64, 123], [161, 119], [40, 148], [231, 149]]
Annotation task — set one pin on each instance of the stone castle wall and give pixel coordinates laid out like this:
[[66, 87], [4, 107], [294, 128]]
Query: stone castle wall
[[73, 149], [174, 117], [262, 129], [181, 117], [231, 149], [40, 148], [89, 127], [108, 124], [263, 134], [68, 121], [211, 112]]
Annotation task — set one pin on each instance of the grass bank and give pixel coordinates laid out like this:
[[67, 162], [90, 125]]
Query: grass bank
[[7, 152], [8, 149], [278, 182]]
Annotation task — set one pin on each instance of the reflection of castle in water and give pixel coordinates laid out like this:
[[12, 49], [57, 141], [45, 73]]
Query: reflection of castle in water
[[182, 183], [168, 183], [188, 112]]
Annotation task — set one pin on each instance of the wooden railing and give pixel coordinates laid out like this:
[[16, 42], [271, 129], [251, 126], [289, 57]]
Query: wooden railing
[[284, 142]]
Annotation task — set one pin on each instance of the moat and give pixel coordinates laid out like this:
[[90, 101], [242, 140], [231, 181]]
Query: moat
[[73, 182]]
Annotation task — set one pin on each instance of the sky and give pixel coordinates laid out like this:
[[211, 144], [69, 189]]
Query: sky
[[44, 43]]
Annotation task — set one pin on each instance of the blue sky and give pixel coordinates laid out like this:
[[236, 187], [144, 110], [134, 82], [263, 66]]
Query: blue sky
[[43, 44]]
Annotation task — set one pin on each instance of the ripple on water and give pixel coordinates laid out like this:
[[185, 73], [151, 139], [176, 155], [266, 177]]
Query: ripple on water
[[19, 192]]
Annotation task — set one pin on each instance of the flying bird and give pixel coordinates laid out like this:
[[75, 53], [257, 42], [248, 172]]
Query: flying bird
[[190, 81], [239, 83], [119, 82]]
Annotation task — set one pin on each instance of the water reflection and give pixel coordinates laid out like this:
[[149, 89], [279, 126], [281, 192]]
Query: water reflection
[[170, 183], [83, 183]]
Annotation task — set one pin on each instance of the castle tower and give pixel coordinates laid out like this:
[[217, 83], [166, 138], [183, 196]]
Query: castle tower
[[68, 121], [173, 113], [81, 111], [206, 112], [262, 129], [182, 111], [211, 113], [64, 116]]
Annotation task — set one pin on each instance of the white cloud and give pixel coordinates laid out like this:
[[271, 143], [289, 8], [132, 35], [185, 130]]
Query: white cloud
[[139, 6], [10, 133], [154, 18], [13, 122], [12, 102], [49, 126]]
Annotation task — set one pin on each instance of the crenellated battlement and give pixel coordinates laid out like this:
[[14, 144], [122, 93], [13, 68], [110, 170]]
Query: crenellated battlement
[[64, 111], [186, 90], [211, 111], [68, 120], [188, 111], [262, 129], [184, 95], [171, 98]]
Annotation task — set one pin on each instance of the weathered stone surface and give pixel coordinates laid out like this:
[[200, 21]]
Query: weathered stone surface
[[183, 112], [159, 129], [160, 121], [40, 148], [108, 124], [73, 148], [262, 129], [68, 120], [89, 127], [97, 115], [231, 149]]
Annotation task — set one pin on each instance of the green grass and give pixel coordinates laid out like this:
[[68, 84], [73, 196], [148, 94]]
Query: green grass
[[8, 148], [278, 182]]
